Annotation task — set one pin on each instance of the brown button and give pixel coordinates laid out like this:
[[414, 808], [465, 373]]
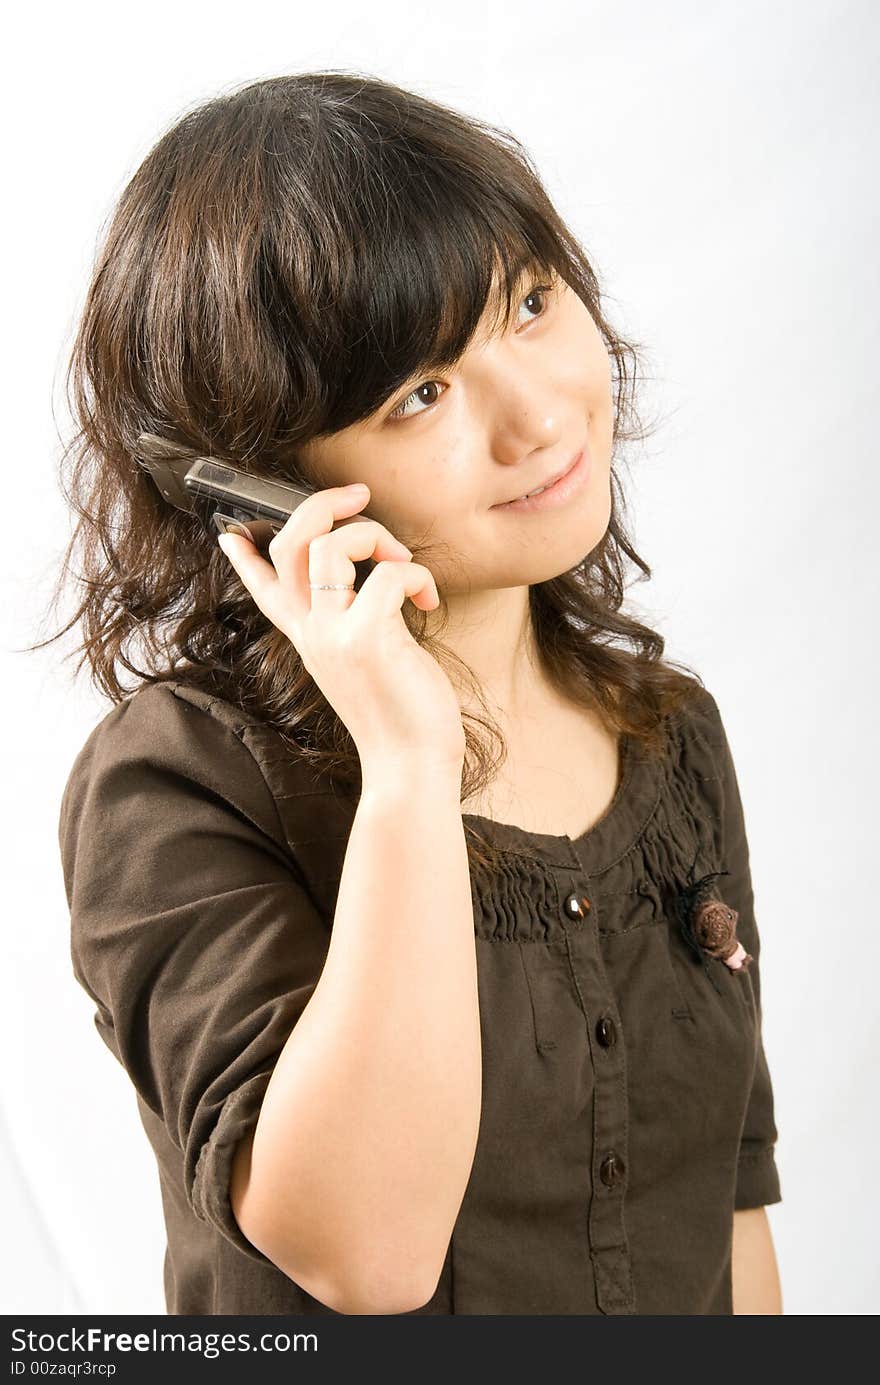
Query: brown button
[[611, 1170], [606, 1031], [577, 905]]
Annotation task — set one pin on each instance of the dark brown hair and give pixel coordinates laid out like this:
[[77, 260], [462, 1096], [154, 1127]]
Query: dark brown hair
[[285, 257]]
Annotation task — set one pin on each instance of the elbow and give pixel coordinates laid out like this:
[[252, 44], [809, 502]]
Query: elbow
[[378, 1286], [384, 1300], [345, 1289], [366, 1285], [352, 1293]]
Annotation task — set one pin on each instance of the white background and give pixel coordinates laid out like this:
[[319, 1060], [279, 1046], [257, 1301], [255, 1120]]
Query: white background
[[716, 161]]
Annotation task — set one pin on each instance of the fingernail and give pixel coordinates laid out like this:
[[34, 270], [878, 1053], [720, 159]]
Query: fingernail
[[224, 543]]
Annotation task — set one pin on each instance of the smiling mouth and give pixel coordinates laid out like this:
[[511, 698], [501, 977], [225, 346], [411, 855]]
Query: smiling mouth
[[546, 486]]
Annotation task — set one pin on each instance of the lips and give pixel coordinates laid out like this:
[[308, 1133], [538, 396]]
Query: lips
[[545, 484]]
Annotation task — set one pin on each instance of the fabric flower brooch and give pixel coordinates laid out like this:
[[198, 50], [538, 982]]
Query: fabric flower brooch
[[708, 925]]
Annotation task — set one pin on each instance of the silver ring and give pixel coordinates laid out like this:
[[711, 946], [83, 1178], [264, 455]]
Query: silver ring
[[332, 586]]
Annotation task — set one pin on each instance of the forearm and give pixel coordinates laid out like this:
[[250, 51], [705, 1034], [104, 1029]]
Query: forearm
[[368, 1129], [755, 1275]]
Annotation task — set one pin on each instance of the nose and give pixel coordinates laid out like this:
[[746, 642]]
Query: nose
[[520, 428], [524, 413]]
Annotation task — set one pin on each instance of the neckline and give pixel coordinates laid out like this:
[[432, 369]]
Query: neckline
[[598, 846]]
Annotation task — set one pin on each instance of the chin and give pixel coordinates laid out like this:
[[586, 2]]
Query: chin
[[553, 560], [568, 551]]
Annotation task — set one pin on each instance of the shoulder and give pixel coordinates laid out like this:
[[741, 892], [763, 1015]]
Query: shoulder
[[698, 751], [703, 768], [697, 726], [167, 742], [163, 717], [160, 723]]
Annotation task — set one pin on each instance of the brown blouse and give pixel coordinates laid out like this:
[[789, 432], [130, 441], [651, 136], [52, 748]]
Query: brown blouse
[[627, 1106]]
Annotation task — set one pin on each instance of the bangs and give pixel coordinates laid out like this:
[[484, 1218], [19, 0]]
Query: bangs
[[449, 309], [402, 264]]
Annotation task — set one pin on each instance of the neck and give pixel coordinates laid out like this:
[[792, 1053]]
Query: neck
[[491, 631]]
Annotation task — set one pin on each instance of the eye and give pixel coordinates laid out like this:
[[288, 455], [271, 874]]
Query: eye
[[402, 412], [538, 293]]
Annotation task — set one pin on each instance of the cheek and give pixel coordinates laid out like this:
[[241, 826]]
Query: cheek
[[435, 508], [586, 345], [583, 376], [598, 367], [444, 489], [600, 408]]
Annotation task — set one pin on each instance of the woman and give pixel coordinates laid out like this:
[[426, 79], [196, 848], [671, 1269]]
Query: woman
[[418, 911]]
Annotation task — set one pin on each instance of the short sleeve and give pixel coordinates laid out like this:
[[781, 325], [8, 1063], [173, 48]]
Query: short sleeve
[[757, 1181], [191, 927]]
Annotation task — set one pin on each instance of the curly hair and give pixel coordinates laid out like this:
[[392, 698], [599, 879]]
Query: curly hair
[[285, 257]]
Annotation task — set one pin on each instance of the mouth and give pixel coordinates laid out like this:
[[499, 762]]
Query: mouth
[[556, 490]]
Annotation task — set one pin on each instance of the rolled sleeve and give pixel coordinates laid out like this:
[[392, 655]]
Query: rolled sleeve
[[208, 1194], [757, 1179], [757, 1175], [191, 927]]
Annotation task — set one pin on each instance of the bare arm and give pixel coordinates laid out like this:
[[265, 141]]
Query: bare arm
[[355, 1173], [756, 1287]]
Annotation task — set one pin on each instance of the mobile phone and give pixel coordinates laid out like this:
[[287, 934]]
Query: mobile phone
[[225, 498]]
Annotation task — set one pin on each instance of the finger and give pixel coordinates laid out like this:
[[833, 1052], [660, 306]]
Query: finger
[[289, 549], [260, 575], [384, 591], [255, 571], [331, 556], [331, 559], [317, 514]]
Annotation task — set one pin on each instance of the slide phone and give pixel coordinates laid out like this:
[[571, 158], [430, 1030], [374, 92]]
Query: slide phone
[[225, 498]]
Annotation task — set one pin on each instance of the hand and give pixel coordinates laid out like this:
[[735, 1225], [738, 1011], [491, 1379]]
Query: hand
[[393, 696]]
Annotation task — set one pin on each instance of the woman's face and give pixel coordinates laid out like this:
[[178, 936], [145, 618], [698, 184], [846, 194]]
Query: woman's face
[[444, 453]]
